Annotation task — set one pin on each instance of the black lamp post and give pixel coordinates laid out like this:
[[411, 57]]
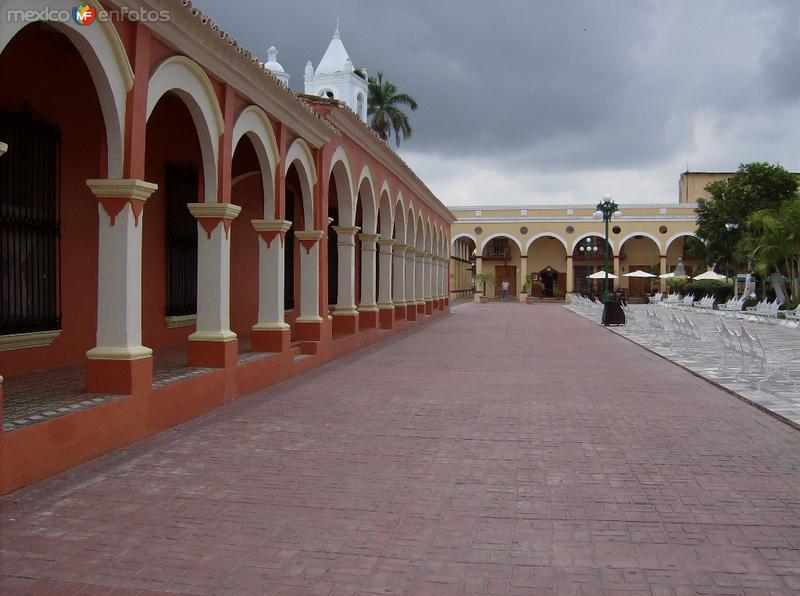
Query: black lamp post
[[607, 210]]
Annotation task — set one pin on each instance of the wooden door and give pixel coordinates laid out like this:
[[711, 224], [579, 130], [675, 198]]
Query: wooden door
[[508, 272], [639, 287]]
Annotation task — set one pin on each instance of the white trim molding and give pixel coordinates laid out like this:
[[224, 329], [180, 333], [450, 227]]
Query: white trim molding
[[21, 341]]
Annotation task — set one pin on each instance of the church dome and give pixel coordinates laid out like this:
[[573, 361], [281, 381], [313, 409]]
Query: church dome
[[273, 65]]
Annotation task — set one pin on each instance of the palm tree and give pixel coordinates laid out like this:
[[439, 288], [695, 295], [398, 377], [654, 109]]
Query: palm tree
[[384, 100]]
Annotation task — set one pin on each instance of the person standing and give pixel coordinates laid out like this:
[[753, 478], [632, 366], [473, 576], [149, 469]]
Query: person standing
[[505, 287]]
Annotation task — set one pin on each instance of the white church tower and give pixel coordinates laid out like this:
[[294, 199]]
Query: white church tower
[[335, 78]]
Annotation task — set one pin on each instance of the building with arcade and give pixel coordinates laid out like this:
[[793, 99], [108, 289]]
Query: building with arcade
[[178, 228]]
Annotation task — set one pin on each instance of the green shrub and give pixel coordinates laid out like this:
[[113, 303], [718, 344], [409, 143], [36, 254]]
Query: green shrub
[[721, 290]]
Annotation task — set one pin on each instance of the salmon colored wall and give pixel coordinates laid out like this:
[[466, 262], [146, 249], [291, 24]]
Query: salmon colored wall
[[171, 137], [29, 61], [249, 195]]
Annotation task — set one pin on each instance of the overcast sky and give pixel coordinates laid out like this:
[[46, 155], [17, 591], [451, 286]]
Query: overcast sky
[[533, 101]]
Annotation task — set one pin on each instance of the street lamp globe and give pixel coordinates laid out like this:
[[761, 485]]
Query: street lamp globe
[[598, 215]]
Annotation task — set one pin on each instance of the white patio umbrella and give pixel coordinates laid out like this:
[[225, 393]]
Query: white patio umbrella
[[639, 273], [710, 274], [601, 275], [670, 275]]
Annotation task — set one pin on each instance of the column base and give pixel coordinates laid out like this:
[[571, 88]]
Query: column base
[[399, 312], [411, 311], [271, 340], [368, 319], [421, 307], [213, 354], [386, 317], [307, 329], [429, 307], [447, 303], [345, 323], [123, 377]]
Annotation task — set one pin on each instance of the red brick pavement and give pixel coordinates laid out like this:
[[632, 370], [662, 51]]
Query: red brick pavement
[[506, 449]]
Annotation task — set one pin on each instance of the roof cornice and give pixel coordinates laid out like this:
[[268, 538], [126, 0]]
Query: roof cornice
[[194, 34]]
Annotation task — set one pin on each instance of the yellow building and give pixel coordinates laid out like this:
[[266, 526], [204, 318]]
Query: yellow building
[[563, 244]]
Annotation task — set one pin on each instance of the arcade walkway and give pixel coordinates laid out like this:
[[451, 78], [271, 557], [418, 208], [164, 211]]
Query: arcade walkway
[[505, 449]]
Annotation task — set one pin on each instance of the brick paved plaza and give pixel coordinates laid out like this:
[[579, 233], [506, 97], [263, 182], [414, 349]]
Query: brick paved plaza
[[505, 449]]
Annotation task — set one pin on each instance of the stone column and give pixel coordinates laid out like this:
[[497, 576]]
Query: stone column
[[426, 282], [368, 309], [385, 305], [399, 280], [119, 363], [411, 283], [662, 261], [570, 275], [345, 316], [478, 271], [523, 273], [419, 282], [308, 326], [271, 333], [213, 344]]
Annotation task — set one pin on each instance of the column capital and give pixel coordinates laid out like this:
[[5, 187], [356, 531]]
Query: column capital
[[400, 248], [386, 241], [368, 237], [113, 195], [209, 215], [420, 254], [268, 229], [346, 229], [308, 238]]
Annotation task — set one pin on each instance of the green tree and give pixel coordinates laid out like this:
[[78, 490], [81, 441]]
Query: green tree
[[384, 108], [755, 186], [772, 241]]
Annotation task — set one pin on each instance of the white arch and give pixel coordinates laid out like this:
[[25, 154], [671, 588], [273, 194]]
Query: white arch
[[429, 236], [300, 154], [622, 242], [104, 55], [675, 237], [469, 235], [535, 237], [500, 235], [399, 219], [253, 122], [420, 228], [368, 207], [342, 171], [411, 225], [189, 81], [592, 235], [385, 213]]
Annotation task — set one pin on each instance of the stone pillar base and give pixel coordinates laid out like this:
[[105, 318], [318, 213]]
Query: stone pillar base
[[429, 307], [411, 312], [367, 319], [307, 330], [345, 323], [213, 354], [122, 377], [421, 308], [399, 312], [386, 317], [271, 340], [447, 303]]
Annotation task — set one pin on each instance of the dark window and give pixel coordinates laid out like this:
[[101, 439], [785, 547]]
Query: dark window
[[333, 257], [180, 188], [288, 255], [29, 224]]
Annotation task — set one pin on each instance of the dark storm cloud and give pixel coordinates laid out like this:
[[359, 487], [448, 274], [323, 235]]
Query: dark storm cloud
[[552, 86]]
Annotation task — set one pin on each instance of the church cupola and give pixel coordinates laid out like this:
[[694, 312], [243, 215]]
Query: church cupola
[[273, 65]]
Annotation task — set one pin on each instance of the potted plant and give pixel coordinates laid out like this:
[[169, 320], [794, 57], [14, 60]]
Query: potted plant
[[483, 279], [536, 288]]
